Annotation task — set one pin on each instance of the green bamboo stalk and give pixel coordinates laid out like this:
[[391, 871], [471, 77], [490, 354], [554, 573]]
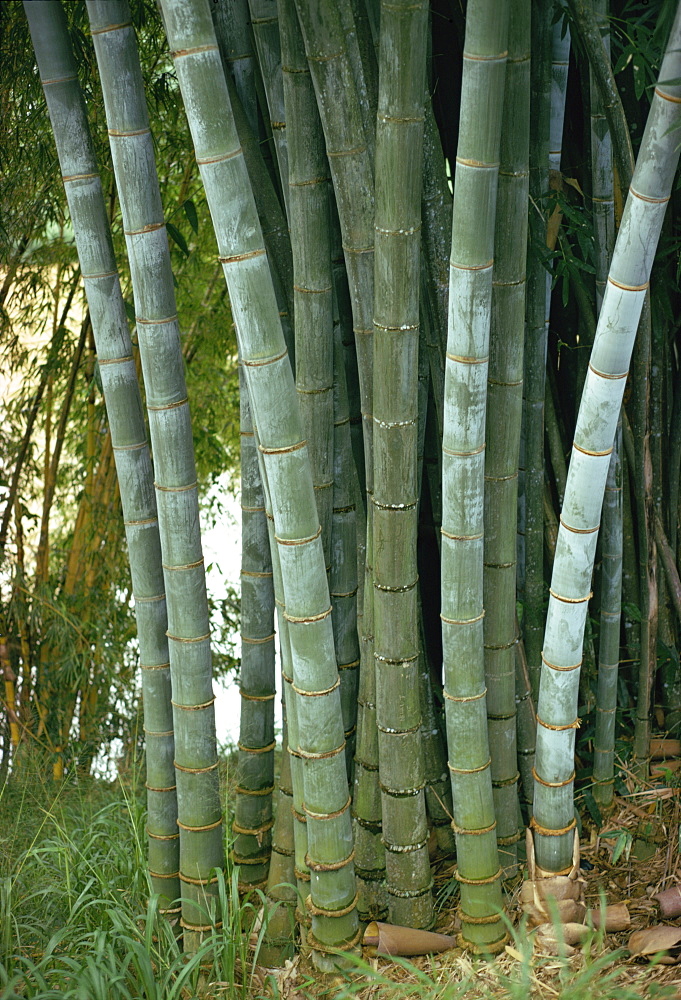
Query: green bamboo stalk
[[265, 23], [278, 941], [124, 409], [504, 415], [399, 137], [199, 809], [628, 279], [560, 62], [320, 739], [309, 216], [231, 19], [470, 299], [603, 207], [255, 768]]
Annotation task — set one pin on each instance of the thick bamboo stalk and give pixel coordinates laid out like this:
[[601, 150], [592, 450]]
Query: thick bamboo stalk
[[470, 301], [538, 288], [231, 19], [502, 444], [297, 534], [199, 809], [128, 433], [560, 62], [255, 772], [399, 138], [309, 216], [265, 24], [628, 279]]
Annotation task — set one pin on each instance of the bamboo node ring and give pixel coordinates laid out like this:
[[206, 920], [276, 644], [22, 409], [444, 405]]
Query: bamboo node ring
[[469, 770], [544, 831], [463, 360], [554, 666], [403, 848], [578, 531], [329, 866], [592, 454], [462, 621], [570, 600], [257, 697], [559, 729], [240, 790], [308, 755], [299, 541], [257, 642], [292, 619], [316, 694], [473, 833], [266, 749], [247, 831], [331, 815], [608, 374], [261, 362], [552, 784], [198, 638], [318, 911], [464, 698], [478, 881], [198, 881], [196, 770], [191, 565], [200, 829], [238, 257]]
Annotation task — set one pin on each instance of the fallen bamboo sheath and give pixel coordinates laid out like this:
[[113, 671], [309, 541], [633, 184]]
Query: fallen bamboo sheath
[[390, 939]]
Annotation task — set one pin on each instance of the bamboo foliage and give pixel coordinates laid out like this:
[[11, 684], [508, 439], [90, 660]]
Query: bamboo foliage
[[128, 434], [297, 534], [570, 585], [463, 455], [199, 811]]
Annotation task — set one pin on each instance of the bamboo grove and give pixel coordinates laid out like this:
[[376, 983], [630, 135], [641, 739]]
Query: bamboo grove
[[449, 242]]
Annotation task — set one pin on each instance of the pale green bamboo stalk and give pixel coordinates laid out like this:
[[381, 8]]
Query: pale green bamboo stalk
[[570, 586], [504, 415], [128, 434], [297, 534], [531, 488], [463, 456], [199, 808], [255, 768], [265, 24], [399, 139], [603, 207], [231, 19], [560, 62], [309, 217]]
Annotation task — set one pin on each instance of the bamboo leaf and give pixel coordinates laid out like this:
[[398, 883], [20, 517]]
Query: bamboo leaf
[[192, 217], [177, 237]]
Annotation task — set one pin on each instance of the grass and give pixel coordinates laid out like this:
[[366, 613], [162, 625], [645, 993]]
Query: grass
[[76, 922]]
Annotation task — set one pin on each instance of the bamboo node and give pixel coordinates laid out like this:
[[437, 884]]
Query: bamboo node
[[592, 454], [258, 642], [298, 816], [154, 732], [607, 374], [478, 881], [159, 836], [552, 784], [408, 660], [237, 258], [462, 359], [629, 288], [200, 928], [62, 79], [110, 27], [301, 876], [462, 831], [299, 541], [247, 831], [266, 749], [317, 694], [462, 621], [402, 793], [254, 573], [570, 600], [198, 881], [137, 524], [196, 770], [198, 638], [321, 756], [415, 119], [115, 133], [310, 619], [95, 277], [504, 782], [507, 841], [644, 197], [257, 697], [493, 918], [461, 538], [162, 875], [543, 831], [193, 708], [191, 565], [463, 454], [240, 790], [410, 893], [200, 829], [326, 949], [318, 911], [554, 666], [667, 97], [557, 729], [168, 788], [205, 161], [261, 859], [329, 866], [175, 489], [331, 815], [404, 848], [469, 770], [155, 666], [466, 697], [398, 732]]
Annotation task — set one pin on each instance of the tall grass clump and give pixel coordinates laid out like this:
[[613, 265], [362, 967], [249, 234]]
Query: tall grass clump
[[76, 918]]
